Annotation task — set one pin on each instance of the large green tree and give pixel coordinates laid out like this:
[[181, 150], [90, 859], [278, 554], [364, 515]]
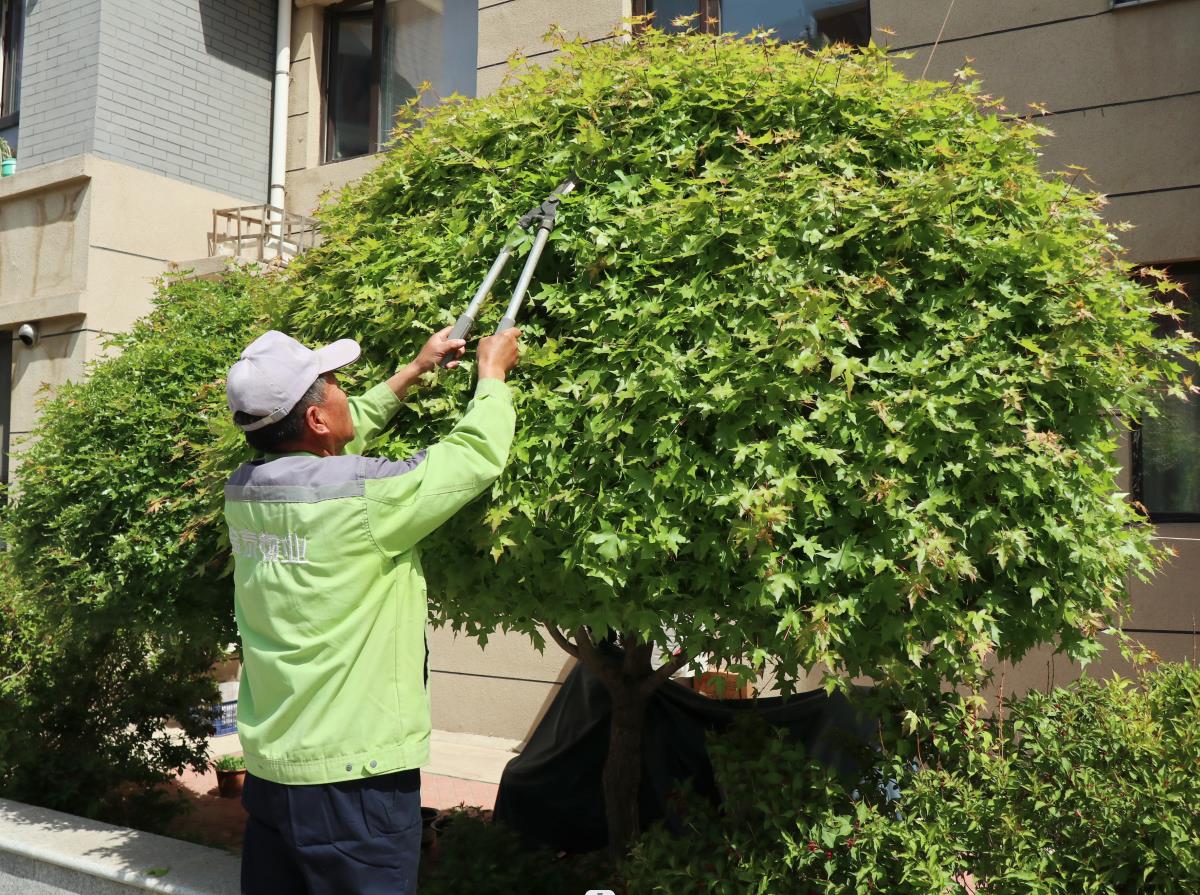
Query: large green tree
[[820, 369]]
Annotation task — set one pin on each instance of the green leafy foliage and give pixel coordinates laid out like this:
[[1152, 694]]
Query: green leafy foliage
[[230, 763], [1084, 790], [475, 855], [819, 368], [113, 600]]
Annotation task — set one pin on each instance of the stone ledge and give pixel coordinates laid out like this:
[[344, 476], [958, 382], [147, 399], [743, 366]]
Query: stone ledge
[[44, 852], [51, 175]]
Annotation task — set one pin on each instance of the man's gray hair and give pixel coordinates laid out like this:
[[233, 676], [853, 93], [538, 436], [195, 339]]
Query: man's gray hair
[[290, 427]]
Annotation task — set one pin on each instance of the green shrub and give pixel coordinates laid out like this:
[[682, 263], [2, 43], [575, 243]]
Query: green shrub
[[1090, 789], [114, 601]]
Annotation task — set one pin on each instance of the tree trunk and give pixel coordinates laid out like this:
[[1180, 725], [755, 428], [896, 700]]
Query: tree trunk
[[630, 679], [623, 768]]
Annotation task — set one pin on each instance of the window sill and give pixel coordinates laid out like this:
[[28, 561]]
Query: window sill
[[350, 158]]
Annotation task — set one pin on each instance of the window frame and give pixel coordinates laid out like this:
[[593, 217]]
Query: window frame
[[333, 14], [13, 28], [1137, 469]]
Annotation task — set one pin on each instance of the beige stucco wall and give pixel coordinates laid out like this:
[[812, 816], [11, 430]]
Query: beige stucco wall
[[43, 241], [81, 242], [501, 690], [1112, 78]]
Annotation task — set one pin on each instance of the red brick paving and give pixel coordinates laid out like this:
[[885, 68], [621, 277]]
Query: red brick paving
[[449, 792], [219, 822]]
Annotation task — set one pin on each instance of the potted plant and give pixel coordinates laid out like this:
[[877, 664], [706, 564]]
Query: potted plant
[[8, 161], [231, 775]]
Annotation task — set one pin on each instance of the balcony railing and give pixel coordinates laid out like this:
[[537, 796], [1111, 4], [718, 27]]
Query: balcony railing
[[261, 233]]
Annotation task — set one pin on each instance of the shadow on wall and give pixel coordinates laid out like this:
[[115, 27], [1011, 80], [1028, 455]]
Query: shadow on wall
[[240, 33]]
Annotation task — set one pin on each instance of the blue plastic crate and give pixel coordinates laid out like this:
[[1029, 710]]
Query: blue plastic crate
[[224, 717]]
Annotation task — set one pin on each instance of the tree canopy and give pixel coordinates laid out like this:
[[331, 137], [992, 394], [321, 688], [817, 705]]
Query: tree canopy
[[819, 367]]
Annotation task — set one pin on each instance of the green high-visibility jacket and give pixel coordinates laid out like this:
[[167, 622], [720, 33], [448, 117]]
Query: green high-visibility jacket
[[329, 594]]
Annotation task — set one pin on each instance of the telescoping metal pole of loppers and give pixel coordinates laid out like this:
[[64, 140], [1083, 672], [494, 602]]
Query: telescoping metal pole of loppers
[[543, 215]]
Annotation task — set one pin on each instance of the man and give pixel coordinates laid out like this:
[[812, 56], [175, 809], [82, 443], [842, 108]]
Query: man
[[333, 711]]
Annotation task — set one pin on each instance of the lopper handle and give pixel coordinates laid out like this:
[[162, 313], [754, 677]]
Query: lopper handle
[[462, 329], [506, 322]]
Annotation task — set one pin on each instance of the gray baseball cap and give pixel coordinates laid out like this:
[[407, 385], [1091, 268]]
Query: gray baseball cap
[[275, 371]]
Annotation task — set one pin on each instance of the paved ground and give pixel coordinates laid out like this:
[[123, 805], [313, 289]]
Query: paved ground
[[464, 770]]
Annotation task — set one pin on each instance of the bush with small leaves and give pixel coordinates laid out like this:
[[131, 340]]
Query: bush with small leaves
[[1088, 789], [114, 605], [477, 856]]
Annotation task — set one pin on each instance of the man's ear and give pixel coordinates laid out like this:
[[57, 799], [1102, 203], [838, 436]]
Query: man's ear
[[316, 420]]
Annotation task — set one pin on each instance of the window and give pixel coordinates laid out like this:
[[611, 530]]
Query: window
[[666, 11], [377, 54], [1166, 450], [813, 21], [12, 18]]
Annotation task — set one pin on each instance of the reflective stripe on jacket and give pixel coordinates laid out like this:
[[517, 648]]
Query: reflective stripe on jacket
[[329, 594]]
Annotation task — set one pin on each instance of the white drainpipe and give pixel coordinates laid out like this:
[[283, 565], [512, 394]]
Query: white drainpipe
[[279, 110]]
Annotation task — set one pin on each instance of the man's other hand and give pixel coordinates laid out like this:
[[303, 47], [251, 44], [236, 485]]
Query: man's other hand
[[498, 354], [438, 347]]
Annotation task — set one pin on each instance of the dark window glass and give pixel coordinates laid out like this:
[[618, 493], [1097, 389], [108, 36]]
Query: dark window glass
[[12, 16], [1167, 448], [791, 21], [350, 63], [799, 20], [666, 11], [412, 53], [851, 26]]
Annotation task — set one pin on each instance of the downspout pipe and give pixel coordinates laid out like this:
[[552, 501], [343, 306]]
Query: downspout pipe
[[279, 106]]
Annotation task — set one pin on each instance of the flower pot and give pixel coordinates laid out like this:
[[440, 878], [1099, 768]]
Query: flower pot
[[727, 688], [229, 783], [8, 166]]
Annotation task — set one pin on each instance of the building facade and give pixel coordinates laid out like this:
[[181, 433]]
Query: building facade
[[133, 119], [1119, 85]]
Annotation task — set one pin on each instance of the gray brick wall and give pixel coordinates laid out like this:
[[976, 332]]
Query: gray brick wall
[[185, 90], [178, 87], [58, 80]]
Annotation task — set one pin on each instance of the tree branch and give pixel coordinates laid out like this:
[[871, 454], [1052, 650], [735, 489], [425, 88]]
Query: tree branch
[[595, 662], [17, 673], [663, 673], [558, 637]]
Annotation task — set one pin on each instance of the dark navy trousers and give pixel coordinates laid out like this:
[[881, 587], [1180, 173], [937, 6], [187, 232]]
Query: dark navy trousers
[[359, 837]]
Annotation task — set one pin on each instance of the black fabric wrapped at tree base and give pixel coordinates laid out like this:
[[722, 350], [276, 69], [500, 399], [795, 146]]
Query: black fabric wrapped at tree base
[[551, 793]]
